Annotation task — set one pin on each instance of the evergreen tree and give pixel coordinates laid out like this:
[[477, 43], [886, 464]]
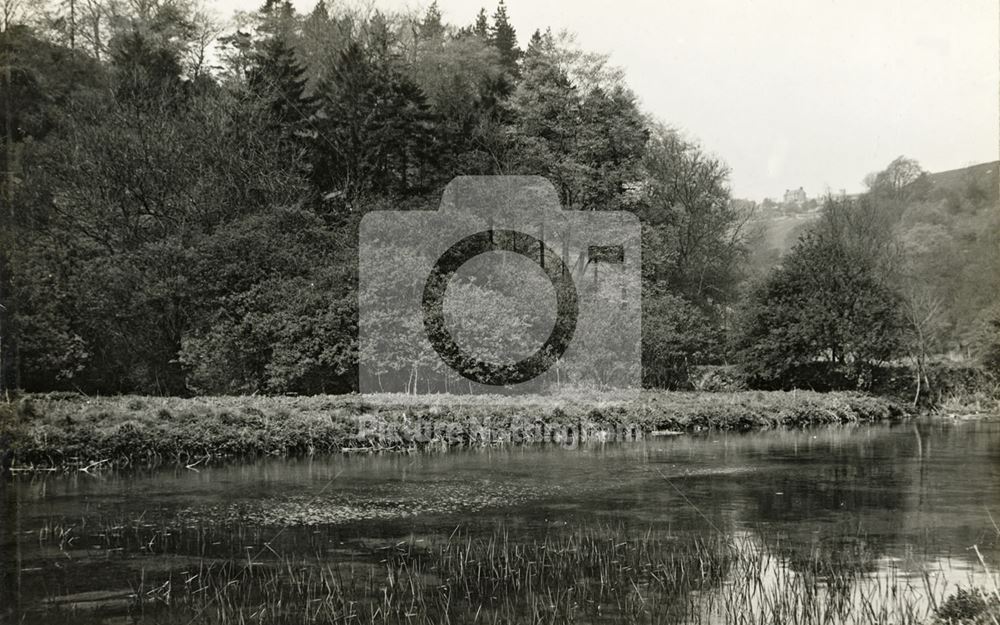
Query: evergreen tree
[[537, 40], [481, 26], [320, 39], [432, 27], [279, 80], [320, 11], [276, 16], [504, 38], [375, 130]]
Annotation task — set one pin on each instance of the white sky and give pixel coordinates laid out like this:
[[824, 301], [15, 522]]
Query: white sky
[[811, 93]]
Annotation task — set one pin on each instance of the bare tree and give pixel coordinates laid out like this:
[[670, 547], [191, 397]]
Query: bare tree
[[12, 13], [924, 313], [206, 33], [894, 179]]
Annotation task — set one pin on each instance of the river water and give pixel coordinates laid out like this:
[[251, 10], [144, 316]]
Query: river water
[[917, 495]]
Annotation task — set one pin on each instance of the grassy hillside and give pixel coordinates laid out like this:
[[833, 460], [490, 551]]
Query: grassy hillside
[[984, 176], [780, 233], [946, 199]]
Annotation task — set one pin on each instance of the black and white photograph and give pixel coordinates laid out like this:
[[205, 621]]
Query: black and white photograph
[[442, 312]]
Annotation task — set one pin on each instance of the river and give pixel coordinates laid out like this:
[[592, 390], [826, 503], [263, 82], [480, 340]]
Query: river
[[911, 498]]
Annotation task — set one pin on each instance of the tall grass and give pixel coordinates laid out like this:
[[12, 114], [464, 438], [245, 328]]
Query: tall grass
[[594, 574], [120, 431]]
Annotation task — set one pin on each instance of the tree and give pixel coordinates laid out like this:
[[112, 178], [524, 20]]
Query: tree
[[827, 302], [124, 191], [279, 80], [267, 321], [177, 230], [896, 181], [431, 26], [701, 233], [987, 341], [609, 145], [481, 26], [948, 228], [11, 14], [460, 77], [374, 130], [504, 38], [676, 336], [923, 313], [590, 145], [321, 37], [546, 108]]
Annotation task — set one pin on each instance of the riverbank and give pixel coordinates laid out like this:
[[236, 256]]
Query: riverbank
[[64, 431]]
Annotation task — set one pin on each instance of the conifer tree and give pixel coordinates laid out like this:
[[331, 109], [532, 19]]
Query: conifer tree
[[432, 27], [278, 78], [504, 38], [481, 26], [375, 132]]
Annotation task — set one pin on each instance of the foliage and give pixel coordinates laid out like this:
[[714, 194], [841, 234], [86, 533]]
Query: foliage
[[180, 228], [696, 237], [902, 178], [588, 143], [987, 343], [945, 227], [373, 130], [677, 337], [969, 605], [827, 301]]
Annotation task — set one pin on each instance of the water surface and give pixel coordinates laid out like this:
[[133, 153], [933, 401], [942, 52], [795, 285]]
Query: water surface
[[910, 497]]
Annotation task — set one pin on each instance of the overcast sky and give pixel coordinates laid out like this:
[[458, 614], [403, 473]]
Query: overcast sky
[[811, 93]]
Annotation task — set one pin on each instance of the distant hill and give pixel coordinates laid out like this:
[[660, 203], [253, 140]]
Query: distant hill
[[781, 223], [985, 176]]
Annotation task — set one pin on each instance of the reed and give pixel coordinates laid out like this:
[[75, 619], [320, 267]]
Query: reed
[[591, 574]]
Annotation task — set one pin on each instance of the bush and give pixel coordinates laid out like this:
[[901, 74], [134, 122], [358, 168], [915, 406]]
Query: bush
[[677, 337]]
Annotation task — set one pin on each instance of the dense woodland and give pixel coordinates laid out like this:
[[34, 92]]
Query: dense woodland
[[181, 202]]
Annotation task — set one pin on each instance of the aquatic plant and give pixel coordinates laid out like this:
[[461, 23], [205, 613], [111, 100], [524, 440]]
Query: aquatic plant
[[588, 574]]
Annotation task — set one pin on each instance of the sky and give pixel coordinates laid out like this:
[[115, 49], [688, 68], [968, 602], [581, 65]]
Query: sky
[[789, 93]]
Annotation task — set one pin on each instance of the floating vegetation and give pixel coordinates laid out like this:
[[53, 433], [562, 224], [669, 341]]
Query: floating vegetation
[[375, 503]]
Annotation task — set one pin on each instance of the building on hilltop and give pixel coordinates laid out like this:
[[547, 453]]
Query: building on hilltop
[[795, 196]]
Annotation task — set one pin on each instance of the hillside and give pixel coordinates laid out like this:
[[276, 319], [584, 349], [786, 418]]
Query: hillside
[[975, 186], [947, 224], [985, 176]]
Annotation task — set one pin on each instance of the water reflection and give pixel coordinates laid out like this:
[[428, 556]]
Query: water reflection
[[839, 503]]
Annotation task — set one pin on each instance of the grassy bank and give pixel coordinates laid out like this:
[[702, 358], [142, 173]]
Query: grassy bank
[[64, 430]]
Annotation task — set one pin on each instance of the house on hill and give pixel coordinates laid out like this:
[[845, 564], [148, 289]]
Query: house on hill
[[795, 196]]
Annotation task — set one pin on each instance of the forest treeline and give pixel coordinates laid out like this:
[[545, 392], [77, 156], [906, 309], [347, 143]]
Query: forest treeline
[[181, 203]]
